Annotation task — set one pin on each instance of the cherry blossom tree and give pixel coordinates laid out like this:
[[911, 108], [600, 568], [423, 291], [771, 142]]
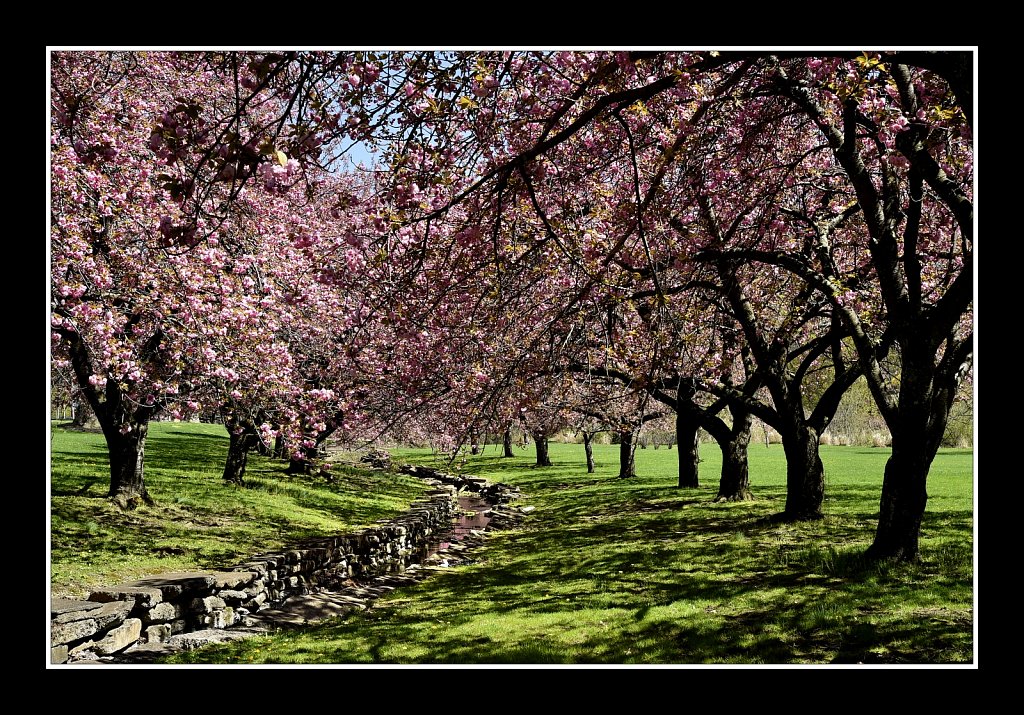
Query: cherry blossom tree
[[120, 315], [894, 264], [893, 161], [816, 206], [159, 294], [901, 134]]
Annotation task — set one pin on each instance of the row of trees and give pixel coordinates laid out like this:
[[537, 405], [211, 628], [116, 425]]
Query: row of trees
[[716, 236]]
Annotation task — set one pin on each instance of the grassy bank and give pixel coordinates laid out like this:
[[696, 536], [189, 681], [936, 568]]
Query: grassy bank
[[611, 571], [198, 521]]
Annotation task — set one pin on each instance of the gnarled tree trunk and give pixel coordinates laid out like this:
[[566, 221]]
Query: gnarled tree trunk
[[83, 417], [904, 497], [125, 425], [926, 398], [627, 454], [805, 474], [541, 440], [241, 440], [301, 460], [127, 461], [734, 484], [506, 443], [588, 449], [687, 432]]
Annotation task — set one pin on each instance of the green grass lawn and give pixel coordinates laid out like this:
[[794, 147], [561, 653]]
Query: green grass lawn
[[611, 571]]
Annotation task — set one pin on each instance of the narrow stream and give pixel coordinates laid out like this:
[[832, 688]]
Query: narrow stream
[[475, 516]]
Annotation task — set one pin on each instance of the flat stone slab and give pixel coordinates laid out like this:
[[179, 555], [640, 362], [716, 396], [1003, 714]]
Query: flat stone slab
[[65, 633], [148, 592], [148, 652], [233, 579], [175, 583], [120, 638], [98, 661], [195, 639], [69, 609], [309, 608]]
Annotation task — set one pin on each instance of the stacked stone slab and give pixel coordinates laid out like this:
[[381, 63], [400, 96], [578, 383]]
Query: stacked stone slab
[[495, 493]]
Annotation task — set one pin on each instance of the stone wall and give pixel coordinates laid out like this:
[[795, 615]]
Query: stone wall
[[159, 608], [327, 577]]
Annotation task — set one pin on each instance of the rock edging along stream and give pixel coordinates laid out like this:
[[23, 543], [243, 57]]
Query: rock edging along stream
[[321, 578]]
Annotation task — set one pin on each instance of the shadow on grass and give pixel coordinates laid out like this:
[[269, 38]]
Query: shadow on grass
[[81, 475], [199, 435], [180, 456], [657, 587], [779, 632]]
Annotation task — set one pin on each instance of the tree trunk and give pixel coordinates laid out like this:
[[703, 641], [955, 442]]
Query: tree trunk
[[297, 465], [588, 448], [301, 461], [278, 447], [627, 454], [83, 417], [904, 497], [734, 484], [924, 403], [242, 437], [805, 474], [238, 455], [124, 429], [127, 461], [474, 444], [264, 449], [687, 433], [543, 460], [506, 443]]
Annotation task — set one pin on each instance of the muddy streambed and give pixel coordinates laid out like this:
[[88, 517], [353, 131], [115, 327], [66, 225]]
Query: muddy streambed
[[474, 516]]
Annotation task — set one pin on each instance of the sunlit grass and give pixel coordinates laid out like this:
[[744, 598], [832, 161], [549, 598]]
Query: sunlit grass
[[640, 572]]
